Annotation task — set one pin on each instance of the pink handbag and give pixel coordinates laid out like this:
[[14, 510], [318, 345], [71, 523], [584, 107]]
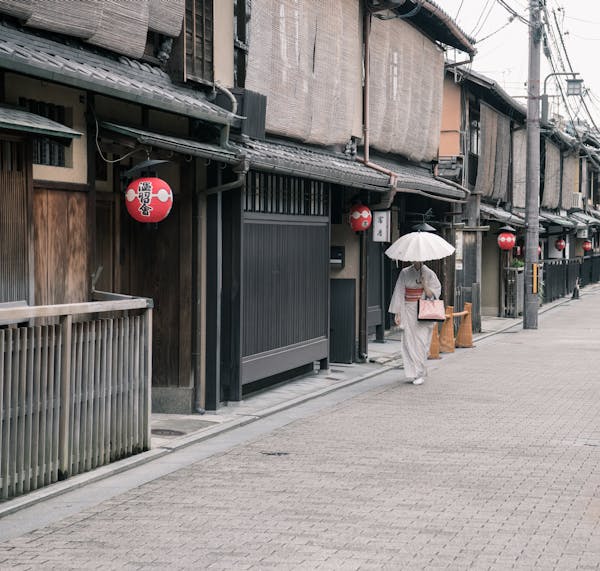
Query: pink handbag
[[431, 310]]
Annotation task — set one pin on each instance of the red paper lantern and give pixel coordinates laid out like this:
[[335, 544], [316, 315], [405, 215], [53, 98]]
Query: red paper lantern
[[149, 199], [560, 244], [587, 246], [360, 218], [506, 240]]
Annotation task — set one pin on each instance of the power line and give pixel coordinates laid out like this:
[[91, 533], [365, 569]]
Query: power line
[[485, 7], [510, 21], [513, 12], [564, 47]]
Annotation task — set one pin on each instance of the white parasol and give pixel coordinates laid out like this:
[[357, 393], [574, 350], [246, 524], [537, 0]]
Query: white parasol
[[419, 247]]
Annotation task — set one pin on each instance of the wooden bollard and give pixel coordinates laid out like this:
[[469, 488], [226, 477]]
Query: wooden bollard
[[434, 348], [464, 335], [447, 341]]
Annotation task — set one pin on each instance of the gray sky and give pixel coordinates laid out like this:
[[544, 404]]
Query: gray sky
[[504, 55]]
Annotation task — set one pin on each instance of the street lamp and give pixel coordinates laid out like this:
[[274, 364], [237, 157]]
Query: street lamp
[[574, 88]]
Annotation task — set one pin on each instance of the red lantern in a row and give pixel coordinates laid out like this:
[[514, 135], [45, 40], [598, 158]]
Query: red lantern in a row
[[560, 244], [149, 199], [506, 240], [587, 246], [360, 218]]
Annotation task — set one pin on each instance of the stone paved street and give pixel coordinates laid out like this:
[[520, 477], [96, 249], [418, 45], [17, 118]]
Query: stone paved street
[[494, 463]]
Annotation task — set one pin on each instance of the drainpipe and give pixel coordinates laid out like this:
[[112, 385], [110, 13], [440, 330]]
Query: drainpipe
[[199, 347], [389, 196], [224, 142]]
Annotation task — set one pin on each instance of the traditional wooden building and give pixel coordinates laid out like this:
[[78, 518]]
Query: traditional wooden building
[[265, 146]]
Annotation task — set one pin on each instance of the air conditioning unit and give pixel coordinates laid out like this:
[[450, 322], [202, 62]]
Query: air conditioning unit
[[252, 106]]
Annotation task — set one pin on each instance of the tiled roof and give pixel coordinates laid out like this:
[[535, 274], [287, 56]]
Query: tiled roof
[[304, 161], [339, 169], [489, 212], [73, 64], [176, 144], [418, 179], [21, 120]]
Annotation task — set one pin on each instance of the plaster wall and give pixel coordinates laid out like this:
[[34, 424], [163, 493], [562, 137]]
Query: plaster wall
[[490, 280], [223, 44], [451, 119], [74, 101]]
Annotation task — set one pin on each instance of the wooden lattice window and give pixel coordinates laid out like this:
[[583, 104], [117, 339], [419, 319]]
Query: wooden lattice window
[[48, 151], [198, 34], [269, 193]]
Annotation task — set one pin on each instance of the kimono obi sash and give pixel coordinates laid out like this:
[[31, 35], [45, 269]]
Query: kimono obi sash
[[413, 294]]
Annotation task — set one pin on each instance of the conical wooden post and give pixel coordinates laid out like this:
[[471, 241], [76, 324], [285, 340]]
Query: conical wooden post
[[447, 342], [464, 336], [434, 348]]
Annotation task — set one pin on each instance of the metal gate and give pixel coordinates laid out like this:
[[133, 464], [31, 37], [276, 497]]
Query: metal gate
[[285, 287]]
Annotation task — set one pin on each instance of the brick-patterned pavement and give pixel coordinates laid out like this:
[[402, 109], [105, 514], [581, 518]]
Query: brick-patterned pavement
[[493, 463]]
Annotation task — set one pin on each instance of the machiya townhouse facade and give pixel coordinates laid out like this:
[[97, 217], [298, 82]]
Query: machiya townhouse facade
[[483, 146], [261, 119], [267, 130]]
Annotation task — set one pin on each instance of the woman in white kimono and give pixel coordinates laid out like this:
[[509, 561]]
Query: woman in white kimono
[[414, 283]]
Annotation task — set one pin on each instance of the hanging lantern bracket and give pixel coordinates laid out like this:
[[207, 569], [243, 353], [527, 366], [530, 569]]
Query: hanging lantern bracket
[[145, 168]]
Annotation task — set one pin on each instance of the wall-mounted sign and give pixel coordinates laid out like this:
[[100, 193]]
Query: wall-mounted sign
[[382, 226]]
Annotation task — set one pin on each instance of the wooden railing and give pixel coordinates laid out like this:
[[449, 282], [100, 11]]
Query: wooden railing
[[75, 384]]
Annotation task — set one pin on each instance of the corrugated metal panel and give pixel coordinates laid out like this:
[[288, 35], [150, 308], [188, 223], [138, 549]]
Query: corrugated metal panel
[[14, 266], [343, 302]]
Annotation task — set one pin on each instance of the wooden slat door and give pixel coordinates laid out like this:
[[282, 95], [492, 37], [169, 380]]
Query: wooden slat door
[[15, 208]]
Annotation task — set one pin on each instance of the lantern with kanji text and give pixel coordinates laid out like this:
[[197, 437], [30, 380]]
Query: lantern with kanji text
[[587, 246], [148, 199], [360, 218], [507, 238], [560, 244]]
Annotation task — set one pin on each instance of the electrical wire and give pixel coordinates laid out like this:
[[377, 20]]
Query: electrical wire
[[510, 21], [513, 12], [459, 9], [475, 32], [485, 7]]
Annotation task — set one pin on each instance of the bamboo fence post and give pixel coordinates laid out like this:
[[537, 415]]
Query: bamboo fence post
[[447, 335], [464, 336], [434, 347]]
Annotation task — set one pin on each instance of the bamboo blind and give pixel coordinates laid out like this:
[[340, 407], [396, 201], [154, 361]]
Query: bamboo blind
[[552, 180], [82, 21], [166, 16], [306, 57], [21, 9], [406, 75], [519, 162], [494, 157], [570, 180]]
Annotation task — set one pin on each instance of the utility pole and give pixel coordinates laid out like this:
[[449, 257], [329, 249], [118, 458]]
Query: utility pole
[[532, 189]]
